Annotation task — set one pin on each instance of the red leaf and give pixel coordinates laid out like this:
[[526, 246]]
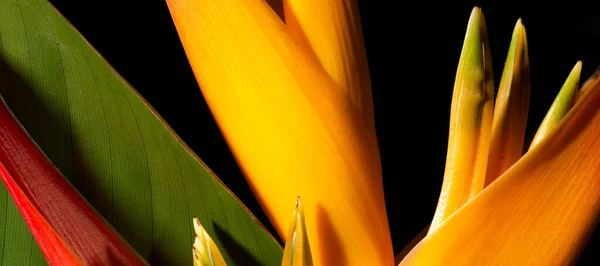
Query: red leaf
[[67, 229]]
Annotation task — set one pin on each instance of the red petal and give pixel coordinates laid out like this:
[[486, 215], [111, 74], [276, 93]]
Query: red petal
[[67, 229]]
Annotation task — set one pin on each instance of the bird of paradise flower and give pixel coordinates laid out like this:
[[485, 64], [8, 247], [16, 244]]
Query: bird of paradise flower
[[283, 77], [293, 101]]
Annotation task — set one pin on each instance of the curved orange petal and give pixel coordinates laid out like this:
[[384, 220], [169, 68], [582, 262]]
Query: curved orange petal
[[541, 211], [332, 30], [292, 130]]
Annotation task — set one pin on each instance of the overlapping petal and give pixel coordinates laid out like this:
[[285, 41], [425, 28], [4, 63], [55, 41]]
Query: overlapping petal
[[292, 129], [541, 211], [332, 30], [511, 109]]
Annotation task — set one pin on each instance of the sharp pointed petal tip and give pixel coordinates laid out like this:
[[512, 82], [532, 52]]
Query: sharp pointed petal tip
[[475, 13], [519, 27], [520, 24], [577, 69], [197, 226], [476, 22]]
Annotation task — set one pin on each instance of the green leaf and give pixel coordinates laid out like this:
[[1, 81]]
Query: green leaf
[[113, 147]]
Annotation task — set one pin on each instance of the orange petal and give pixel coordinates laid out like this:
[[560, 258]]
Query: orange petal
[[541, 211], [470, 122], [292, 130], [332, 30], [511, 109]]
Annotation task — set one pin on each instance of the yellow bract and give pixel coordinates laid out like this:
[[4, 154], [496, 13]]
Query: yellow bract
[[511, 109], [541, 211], [292, 129], [297, 247], [332, 30], [294, 104], [205, 252], [470, 122]]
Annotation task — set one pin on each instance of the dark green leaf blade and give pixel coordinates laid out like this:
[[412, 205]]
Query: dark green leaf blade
[[113, 147]]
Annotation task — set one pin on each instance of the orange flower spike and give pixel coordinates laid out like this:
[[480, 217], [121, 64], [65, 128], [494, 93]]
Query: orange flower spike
[[332, 30], [541, 211], [470, 122], [292, 130], [511, 109]]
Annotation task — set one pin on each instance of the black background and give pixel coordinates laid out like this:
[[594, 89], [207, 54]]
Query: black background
[[413, 50]]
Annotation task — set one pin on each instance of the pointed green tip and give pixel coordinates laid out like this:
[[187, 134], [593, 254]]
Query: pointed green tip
[[475, 19], [514, 83], [561, 105], [475, 58]]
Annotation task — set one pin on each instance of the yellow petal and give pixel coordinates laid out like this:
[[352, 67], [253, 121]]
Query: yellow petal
[[205, 251], [470, 122], [292, 130], [561, 105], [332, 29], [511, 109], [297, 248], [541, 211]]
